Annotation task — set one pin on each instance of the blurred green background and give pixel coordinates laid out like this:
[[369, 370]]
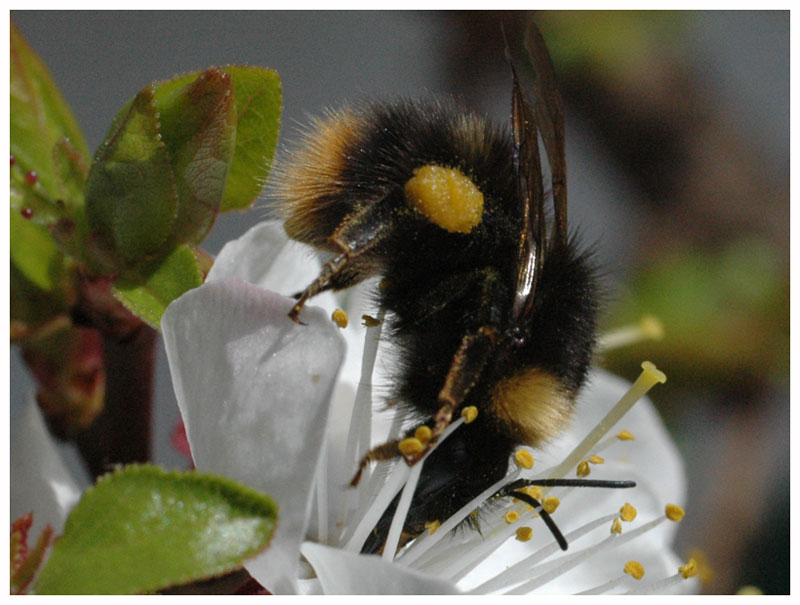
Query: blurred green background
[[678, 169]]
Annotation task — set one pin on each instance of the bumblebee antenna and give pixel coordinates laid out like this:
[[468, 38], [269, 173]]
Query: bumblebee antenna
[[512, 489]]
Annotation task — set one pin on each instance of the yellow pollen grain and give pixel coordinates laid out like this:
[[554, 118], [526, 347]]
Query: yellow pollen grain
[[469, 413], [432, 526], [423, 433], [689, 570], [523, 458], [674, 512], [616, 527], [595, 459], [627, 512], [511, 517], [583, 469], [339, 317], [369, 321], [634, 569], [625, 436], [524, 533], [446, 196], [550, 504], [410, 446]]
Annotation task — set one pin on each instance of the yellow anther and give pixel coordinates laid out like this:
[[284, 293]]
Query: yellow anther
[[339, 317], [627, 512], [432, 526], [446, 196], [410, 446], [583, 469], [369, 321], [674, 512], [704, 571], [634, 569], [616, 527], [524, 533], [750, 590], [534, 491], [689, 570], [550, 504], [651, 327], [595, 459], [523, 458], [652, 373], [423, 433], [469, 413], [625, 436], [511, 517]]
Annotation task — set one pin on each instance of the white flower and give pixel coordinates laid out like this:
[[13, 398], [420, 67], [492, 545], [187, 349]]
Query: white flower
[[264, 403]]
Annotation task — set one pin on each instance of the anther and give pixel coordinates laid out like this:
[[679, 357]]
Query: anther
[[627, 512], [524, 458], [634, 569], [674, 512], [339, 317]]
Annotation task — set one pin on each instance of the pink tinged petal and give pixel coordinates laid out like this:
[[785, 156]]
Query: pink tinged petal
[[40, 479], [253, 389], [342, 572]]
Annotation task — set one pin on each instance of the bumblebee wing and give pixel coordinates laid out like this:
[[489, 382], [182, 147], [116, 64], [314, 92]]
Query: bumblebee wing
[[530, 193], [549, 111], [543, 116]]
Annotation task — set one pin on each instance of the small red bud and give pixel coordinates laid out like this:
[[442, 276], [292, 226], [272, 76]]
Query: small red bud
[[31, 177], [12, 160], [26, 212]]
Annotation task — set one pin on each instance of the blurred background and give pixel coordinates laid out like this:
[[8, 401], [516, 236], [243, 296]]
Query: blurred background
[[678, 169]]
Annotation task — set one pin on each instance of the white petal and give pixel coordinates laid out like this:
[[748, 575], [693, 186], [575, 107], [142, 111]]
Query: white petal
[[253, 388], [343, 572], [42, 484], [265, 257]]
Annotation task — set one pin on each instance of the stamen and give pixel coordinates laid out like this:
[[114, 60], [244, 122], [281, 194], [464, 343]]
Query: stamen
[[421, 545], [625, 435], [423, 434], [524, 533], [432, 526], [359, 431], [649, 377], [511, 516], [522, 570], [648, 328], [616, 527], [400, 475], [400, 514], [689, 570], [595, 459]]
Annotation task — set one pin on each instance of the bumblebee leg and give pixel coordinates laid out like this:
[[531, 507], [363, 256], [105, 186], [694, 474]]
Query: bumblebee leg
[[384, 451], [467, 366], [357, 235]]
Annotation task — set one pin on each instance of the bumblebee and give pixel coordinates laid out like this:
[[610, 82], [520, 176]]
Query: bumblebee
[[491, 305]]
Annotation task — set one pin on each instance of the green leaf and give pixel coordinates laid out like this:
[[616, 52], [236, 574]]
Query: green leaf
[[35, 253], [148, 289], [39, 117], [141, 529], [131, 196], [258, 106], [198, 126]]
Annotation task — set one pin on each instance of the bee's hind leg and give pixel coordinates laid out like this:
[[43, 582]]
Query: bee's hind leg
[[357, 234]]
